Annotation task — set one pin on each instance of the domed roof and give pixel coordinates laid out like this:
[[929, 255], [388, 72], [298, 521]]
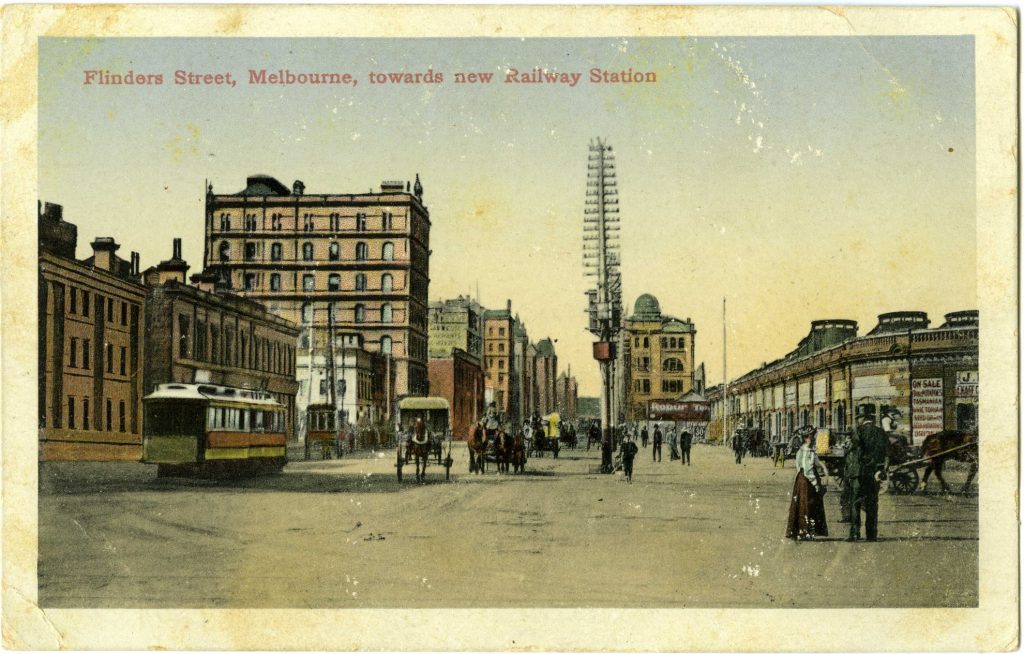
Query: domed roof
[[646, 308]]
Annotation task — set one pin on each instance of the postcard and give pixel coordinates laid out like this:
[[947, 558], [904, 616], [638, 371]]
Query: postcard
[[510, 328]]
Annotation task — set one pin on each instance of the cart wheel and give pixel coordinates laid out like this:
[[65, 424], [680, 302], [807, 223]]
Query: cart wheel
[[903, 481]]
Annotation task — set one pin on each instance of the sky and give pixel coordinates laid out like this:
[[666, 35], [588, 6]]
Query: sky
[[801, 178]]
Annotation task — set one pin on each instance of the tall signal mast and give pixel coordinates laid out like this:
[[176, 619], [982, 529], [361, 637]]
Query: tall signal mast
[[601, 258]]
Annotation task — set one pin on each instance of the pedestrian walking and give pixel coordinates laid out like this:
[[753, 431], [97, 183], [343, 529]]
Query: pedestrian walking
[[656, 450], [685, 442], [807, 505], [673, 444], [864, 471], [644, 437], [738, 444], [629, 451]]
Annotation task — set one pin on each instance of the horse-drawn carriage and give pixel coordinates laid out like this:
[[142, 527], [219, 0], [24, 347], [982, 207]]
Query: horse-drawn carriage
[[546, 436], [490, 442], [425, 421], [904, 460]]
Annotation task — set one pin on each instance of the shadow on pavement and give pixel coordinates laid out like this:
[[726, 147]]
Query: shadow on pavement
[[129, 478]]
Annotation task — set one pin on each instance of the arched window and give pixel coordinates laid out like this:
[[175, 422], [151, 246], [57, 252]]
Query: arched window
[[225, 250], [360, 313], [361, 251], [275, 251], [387, 282], [387, 253], [334, 282], [385, 344], [334, 252], [672, 365], [647, 342], [307, 312], [360, 281], [672, 343], [385, 313], [307, 251], [275, 282]]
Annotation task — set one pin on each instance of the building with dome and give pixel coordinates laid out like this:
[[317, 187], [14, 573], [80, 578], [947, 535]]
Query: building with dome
[[658, 351]]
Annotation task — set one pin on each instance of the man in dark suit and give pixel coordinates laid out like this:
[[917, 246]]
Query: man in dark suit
[[864, 472], [685, 441], [656, 450]]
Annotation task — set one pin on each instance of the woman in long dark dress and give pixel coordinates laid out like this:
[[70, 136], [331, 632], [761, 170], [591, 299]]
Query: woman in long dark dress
[[807, 507]]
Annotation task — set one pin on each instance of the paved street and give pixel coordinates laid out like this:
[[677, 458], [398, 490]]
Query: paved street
[[346, 534]]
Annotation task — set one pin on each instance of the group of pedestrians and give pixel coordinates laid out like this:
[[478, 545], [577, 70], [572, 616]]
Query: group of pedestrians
[[864, 472], [680, 446]]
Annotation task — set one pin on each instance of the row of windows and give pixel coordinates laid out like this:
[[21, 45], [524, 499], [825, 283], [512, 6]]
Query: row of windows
[[86, 359], [253, 251], [490, 347], [73, 305], [386, 343], [207, 344], [501, 363], [254, 281], [309, 222], [501, 377], [643, 364], [667, 342], [490, 331], [358, 312], [99, 424], [250, 420]]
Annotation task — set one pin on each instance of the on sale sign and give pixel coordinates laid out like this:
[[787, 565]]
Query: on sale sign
[[927, 400]]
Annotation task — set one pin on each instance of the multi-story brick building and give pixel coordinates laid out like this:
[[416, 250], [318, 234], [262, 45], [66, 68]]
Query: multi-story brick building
[[351, 264], [566, 394], [522, 355], [456, 360], [499, 362], [202, 333], [455, 324], [90, 347], [930, 376], [459, 379], [545, 375], [660, 357]]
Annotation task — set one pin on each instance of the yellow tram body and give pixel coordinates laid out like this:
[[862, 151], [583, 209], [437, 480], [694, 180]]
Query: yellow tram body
[[190, 428]]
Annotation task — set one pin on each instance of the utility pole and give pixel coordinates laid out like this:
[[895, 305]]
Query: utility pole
[[725, 382], [332, 379], [601, 259]]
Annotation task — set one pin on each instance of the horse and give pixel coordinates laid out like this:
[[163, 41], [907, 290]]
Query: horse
[[503, 450], [418, 447], [950, 444], [518, 455], [477, 444]]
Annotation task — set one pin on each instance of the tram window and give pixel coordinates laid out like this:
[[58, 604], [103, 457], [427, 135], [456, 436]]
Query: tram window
[[241, 422], [172, 418]]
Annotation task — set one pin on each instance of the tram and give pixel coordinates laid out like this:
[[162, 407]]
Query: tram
[[206, 429]]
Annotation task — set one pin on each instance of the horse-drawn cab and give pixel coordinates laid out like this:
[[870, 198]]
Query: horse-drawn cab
[[426, 423], [323, 433], [546, 437]]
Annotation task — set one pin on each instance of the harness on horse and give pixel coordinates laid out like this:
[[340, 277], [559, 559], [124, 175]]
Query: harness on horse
[[419, 436]]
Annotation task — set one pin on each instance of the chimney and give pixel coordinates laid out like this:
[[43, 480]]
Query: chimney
[[508, 305], [298, 187], [103, 250], [135, 264], [177, 249]]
